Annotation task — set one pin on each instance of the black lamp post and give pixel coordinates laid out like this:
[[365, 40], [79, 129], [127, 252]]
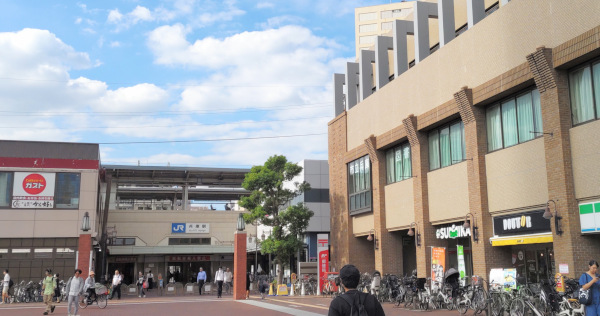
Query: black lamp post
[[475, 230], [548, 215]]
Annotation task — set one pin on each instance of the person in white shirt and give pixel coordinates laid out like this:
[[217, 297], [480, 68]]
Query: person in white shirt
[[219, 278], [5, 286], [116, 285], [150, 279], [74, 288], [229, 278]]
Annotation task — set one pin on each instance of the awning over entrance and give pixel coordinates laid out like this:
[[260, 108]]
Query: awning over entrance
[[522, 239]]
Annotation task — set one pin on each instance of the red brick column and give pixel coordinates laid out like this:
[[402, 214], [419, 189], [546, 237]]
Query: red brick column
[[239, 265], [84, 248]]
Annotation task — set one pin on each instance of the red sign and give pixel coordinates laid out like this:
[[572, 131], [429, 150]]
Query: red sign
[[186, 258], [323, 259], [34, 184]]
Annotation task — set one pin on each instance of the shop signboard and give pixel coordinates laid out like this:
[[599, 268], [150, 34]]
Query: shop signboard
[[452, 232], [510, 279], [521, 224], [460, 253], [33, 190], [438, 263], [323, 252], [589, 217], [190, 228], [186, 258]]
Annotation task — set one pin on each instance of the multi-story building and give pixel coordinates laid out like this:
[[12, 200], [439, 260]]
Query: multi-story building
[[47, 191], [498, 126]]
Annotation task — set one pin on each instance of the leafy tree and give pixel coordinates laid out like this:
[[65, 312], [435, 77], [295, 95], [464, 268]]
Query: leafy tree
[[270, 204]]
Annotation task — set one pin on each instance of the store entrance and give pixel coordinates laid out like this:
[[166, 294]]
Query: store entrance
[[534, 262], [126, 269], [187, 272]]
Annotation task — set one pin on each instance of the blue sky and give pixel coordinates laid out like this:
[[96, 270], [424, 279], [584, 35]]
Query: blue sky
[[182, 70]]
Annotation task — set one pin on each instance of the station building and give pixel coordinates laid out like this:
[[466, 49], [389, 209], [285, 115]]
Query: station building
[[494, 122]]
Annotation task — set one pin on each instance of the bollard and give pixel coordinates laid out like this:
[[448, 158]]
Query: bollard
[[302, 291], [292, 290]]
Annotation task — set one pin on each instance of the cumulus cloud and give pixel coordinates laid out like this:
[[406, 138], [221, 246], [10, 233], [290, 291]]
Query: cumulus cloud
[[264, 5]]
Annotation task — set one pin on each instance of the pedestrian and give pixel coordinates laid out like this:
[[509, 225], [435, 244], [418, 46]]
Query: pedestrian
[[248, 285], [74, 288], [590, 281], [351, 301], [57, 289], [263, 284], [201, 279], [219, 278], [5, 286], [160, 284], [229, 278], [48, 286], [116, 285], [90, 287], [140, 284], [150, 278]]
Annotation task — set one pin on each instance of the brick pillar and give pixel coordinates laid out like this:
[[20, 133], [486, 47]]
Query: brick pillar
[[84, 248], [389, 248], [239, 265], [571, 247], [419, 147], [485, 257]]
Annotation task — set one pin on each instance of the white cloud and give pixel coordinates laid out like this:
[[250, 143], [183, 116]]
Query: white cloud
[[264, 5], [279, 21], [78, 20], [115, 44], [227, 14]]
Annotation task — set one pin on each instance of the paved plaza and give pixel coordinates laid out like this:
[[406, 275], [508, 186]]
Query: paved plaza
[[207, 305]]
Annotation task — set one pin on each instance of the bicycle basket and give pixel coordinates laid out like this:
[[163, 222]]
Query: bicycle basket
[[101, 289]]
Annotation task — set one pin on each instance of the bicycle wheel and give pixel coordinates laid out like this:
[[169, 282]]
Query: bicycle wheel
[[83, 303], [517, 307], [462, 304], [480, 300], [496, 304], [102, 301]]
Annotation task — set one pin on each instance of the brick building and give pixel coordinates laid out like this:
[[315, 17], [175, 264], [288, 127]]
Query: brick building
[[491, 124]]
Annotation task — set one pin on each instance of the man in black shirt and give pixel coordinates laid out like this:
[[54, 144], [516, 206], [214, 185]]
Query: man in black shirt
[[340, 306]]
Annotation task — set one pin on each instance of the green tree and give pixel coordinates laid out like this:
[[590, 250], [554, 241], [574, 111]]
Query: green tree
[[270, 204]]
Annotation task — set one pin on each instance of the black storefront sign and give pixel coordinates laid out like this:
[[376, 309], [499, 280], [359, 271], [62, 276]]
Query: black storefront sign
[[521, 224]]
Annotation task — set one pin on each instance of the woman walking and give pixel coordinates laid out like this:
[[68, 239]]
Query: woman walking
[[590, 281], [140, 284]]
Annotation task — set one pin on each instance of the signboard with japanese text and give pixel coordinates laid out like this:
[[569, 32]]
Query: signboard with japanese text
[[323, 253], [33, 190], [438, 264], [460, 253], [190, 258], [197, 228]]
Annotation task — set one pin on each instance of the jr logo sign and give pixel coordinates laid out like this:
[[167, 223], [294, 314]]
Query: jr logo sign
[[177, 228]]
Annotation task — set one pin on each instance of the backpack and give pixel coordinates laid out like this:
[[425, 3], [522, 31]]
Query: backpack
[[356, 309], [10, 283]]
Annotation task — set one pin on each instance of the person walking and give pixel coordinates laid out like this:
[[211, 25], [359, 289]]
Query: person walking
[[219, 278], [57, 289], [74, 288], [263, 284], [5, 286], [590, 281], [201, 279], [352, 300], [140, 284], [48, 286], [116, 285], [229, 278], [248, 285], [90, 286], [150, 278], [160, 284]]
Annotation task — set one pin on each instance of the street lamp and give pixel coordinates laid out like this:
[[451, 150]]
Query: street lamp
[[373, 237], [411, 233], [85, 222], [548, 215], [241, 225], [104, 247], [475, 230]]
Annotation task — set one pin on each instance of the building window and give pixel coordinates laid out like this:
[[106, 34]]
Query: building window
[[446, 145], [514, 121], [6, 183], [398, 163], [367, 28], [370, 39], [387, 26], [367, 16], [189, 241], [584, 85], [67, 190], [359, 185], [122, 242]]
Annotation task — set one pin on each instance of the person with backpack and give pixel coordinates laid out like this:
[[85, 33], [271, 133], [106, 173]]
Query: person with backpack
[[590, 282], [352, 302], [6, 284], [48, 286]]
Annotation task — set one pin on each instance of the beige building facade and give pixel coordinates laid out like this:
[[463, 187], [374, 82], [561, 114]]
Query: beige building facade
[[496, 126]]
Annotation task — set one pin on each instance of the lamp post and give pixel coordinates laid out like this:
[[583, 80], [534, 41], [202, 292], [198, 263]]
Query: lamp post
[[104, 248], [85, 222], [411, 233], [373, 237], [548, 215], [475, 230]]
